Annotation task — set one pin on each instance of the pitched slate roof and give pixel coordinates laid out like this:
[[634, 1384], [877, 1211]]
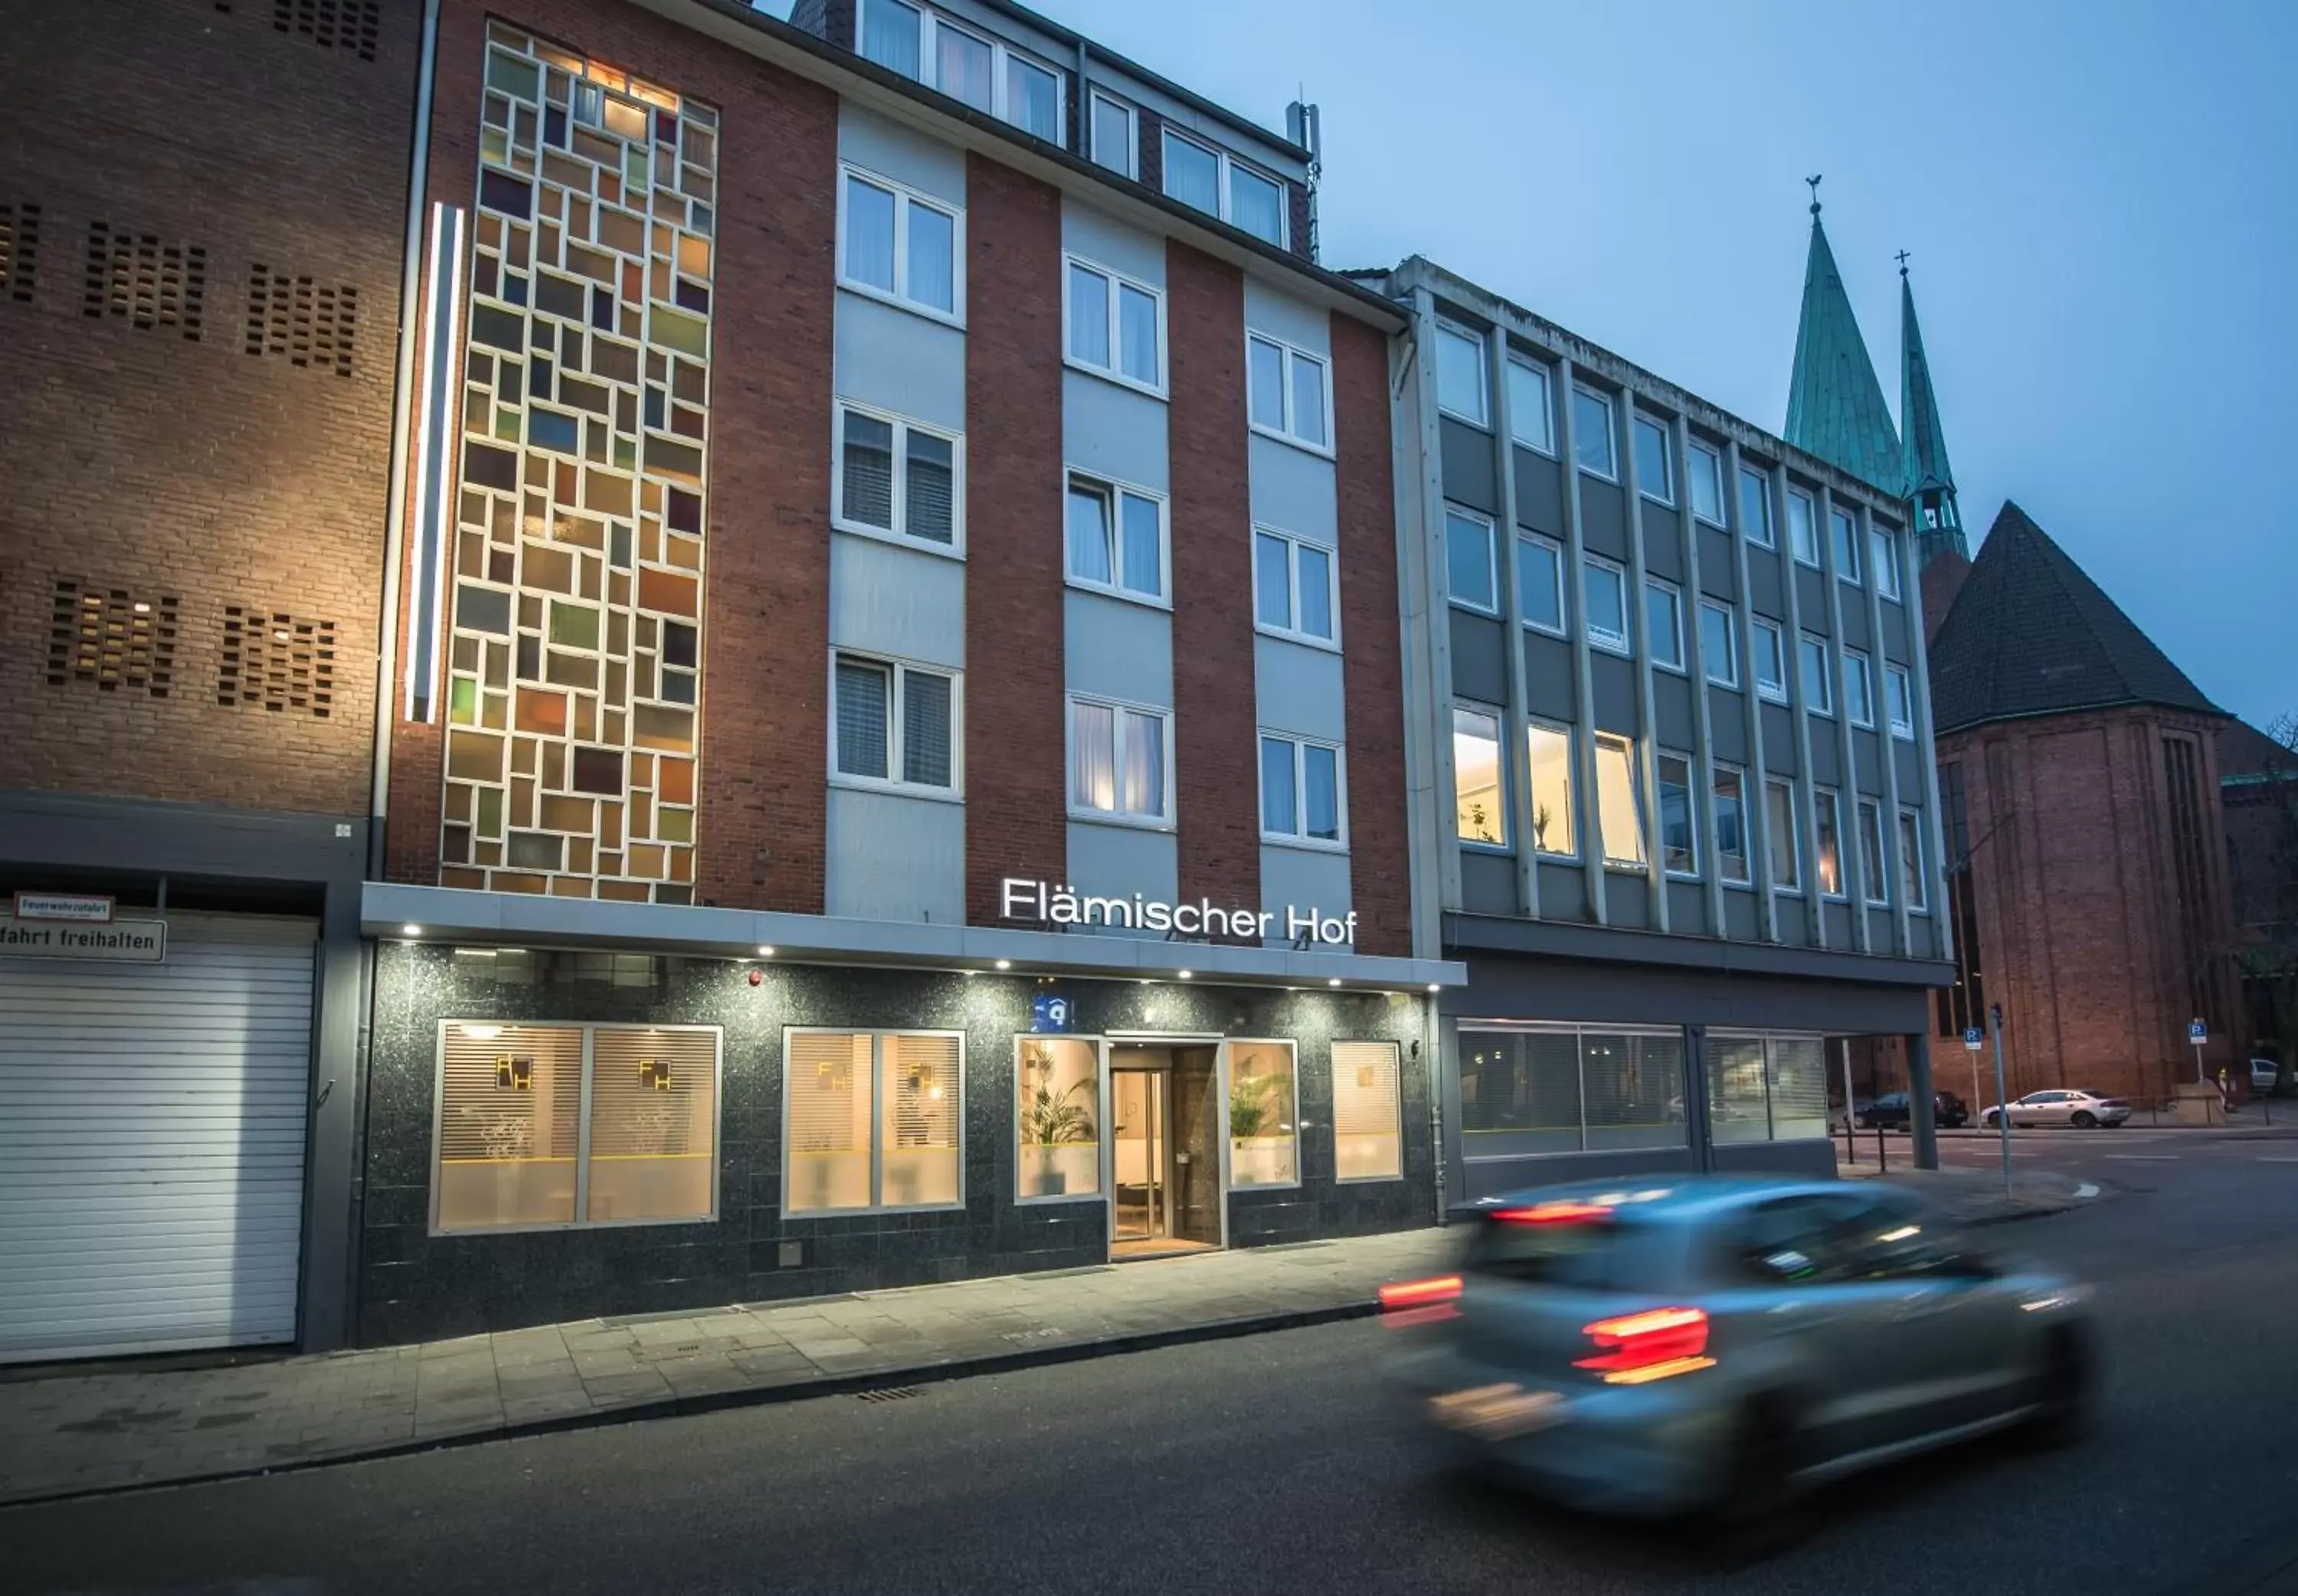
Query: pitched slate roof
[[2031, 634], [1835, 405]]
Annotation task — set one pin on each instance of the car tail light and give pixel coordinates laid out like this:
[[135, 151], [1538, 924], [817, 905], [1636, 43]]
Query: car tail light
[[2112, 1102], [1651, 1346], [1555, 1213], [1421, 1301]]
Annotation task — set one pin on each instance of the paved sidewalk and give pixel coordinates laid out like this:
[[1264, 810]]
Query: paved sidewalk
[[78, 1433], [1976, 1196]]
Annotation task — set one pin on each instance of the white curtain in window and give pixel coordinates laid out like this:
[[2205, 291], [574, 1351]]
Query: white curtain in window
[[862, 718], [932, 263], [869, 233], [964, 66], [890, 35], [1093, 757], [1089, 535], [1320, 792], [1272, 571], [1308, 399], [1144, 562], [1265, 383], [1256, 204], [1136, 333], [1033, 99], [1144, 764], [1192, 174], [926, 729], [1112, 135], [1316, 591], [1089, 317], [1279, 813]]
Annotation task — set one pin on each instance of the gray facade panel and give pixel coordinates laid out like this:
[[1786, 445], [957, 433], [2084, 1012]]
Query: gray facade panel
[[1467, 466], [1779, 739], [1119, 861], [1306, 880], [1727, 725], [1614, 680], [1550, 690], [1766, 594], [1671, 711], [1879, 929], [1603, 517], [1739, 916], [1868, 764], [1719, 571], [1811, 597], [1687, 909], [1912, 786], [1479, 658], [1826, 754], [891, 856], [893, 360], [1488, 884], [1118, 649], [1924, 934], [1293, 489], [1629, 993], [900, 602], [1838, 925], [1856, 633], [903, 153], [1538, 491], [1114, 432], [1813, 1160], [1896, 645], [1794, 918], [1662, 541], [1563, 892], [1108, 242], [1627, 901], [1297, 689]]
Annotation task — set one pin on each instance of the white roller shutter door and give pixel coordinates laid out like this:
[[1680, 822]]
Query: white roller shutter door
[[151, 1130]]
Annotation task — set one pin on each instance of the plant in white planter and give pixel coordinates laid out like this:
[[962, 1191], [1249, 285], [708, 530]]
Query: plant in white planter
[[1254, 1113], [1051, 1119]]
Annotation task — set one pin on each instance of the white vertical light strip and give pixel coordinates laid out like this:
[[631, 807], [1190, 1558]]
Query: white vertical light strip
[[434, 463]]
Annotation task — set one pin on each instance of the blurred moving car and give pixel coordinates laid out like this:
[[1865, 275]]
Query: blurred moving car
[[1718, 1346], [1890, 1112], [2082, 1109]]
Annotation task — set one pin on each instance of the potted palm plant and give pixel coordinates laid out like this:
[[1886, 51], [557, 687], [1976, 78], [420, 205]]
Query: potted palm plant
[[1051, 1119]]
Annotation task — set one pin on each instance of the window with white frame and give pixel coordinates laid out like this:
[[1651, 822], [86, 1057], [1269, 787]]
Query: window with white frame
[[1730, 794], [1264, 1135], [1116, 537], [1818, 680], [1911, 861], [1216, 183], [1664, 622], [1705, 470], [1719, 644], [1115, 145], [1654, 480], [1899, 689], [1479, 802], [1057, 1117], [1771, 660], [1604, 600], [1295, 588], [1460, 373], [1619, 803], [896, 725], [1116, 326], [536, 1129], [1679, 833], [1858, 688], [1871, 880], [1287, 393], [1756, 507], [1302, 798], [1781, 847], [985, 74], [872, 1120], [1883, 554], [1540, 583], [897, 477], [1368, 1111], [1549, 755], [898, 245], [1803, 528], [1532, 409], [1827, 812], [1121, 762], [1468, 561], [1592, 439], [1847, 543]]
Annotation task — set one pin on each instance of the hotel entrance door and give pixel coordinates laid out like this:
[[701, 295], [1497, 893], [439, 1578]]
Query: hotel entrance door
[[1164, 1185]]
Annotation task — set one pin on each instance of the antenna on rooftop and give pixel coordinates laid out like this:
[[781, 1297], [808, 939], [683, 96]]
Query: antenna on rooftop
[[1302, 127]]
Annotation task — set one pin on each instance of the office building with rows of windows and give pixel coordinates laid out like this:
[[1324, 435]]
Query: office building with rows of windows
[[1668, 738]]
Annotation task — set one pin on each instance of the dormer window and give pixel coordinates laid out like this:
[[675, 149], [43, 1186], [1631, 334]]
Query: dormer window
[[1219, 184], [985, 74]]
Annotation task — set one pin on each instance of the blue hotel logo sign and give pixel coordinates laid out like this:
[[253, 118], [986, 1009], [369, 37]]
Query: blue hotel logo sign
[[1049, 1012]]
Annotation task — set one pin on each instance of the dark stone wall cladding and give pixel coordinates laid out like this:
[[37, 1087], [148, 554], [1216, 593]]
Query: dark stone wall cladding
[[413, 1286]]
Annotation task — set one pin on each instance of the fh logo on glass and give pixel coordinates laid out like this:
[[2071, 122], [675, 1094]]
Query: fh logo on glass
[[1050, 904]]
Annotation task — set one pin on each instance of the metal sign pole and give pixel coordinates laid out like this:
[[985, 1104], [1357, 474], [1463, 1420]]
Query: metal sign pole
[[1850, 1119], [2002, 1097]]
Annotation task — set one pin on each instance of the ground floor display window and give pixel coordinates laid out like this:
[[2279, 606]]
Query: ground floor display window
[[1765, 1088], [1367, 1113], [1264, 1138], [1570, 1089], [556, 1125], [872, 1120], [1058, 1115]]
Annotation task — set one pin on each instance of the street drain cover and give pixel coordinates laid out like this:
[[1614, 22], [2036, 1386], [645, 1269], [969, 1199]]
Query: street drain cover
[[889, 1393]]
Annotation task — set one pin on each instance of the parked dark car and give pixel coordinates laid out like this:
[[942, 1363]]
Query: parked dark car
[[1890, 1112]]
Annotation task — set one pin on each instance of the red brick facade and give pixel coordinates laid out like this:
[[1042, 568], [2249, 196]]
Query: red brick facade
[[192, 428], [761, 838], [1016, 808], [1216, 769], [2076, 871], [1379, 868]]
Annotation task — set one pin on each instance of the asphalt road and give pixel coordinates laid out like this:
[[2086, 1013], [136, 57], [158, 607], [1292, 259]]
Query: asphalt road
[[1257, 1466]]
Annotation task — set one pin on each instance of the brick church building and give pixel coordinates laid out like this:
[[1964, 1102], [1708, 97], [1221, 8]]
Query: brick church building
[[2084, 842]]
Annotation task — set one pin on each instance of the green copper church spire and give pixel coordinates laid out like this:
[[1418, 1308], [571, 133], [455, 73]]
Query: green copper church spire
[[1930, 484], [1835, 406]]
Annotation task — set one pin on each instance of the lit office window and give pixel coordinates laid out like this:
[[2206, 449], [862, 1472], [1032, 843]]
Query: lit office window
[[872, 1120], [1619, 802], [1480, 810], [1550, 753], [1367, 1113], [1827, 811]]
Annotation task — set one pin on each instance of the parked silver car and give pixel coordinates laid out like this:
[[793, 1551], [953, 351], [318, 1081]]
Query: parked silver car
[[1720, 1346], [2082, 1109]]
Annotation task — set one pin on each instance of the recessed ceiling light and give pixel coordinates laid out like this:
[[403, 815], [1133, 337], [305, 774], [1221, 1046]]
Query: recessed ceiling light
[[765, 950], [1435, 986], [410, 930], [1188, 975], [1334, 981], [1004, 964]]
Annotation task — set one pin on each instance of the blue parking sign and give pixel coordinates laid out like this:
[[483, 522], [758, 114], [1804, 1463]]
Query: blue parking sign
[[2196, 1031], [1973, 1037]]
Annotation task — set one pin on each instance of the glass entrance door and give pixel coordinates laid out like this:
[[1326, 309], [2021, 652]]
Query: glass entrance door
[[1141, 1189]]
